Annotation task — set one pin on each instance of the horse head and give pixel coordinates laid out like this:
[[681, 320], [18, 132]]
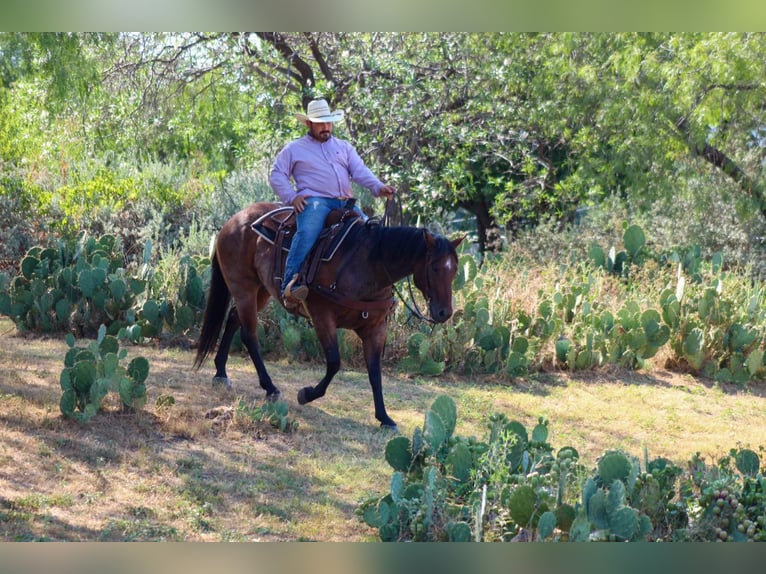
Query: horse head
[[434, 273]]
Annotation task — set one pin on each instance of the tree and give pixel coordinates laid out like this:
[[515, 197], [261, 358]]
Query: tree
[[511, 127]]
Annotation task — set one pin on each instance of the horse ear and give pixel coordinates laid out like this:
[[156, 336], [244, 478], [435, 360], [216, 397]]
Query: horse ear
[[430, 239], [458, 241]]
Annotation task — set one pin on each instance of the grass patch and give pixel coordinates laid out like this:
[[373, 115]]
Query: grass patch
[[169, 473]]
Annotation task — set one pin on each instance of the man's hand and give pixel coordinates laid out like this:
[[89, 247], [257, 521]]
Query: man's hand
[[299, 203], [387, 191]]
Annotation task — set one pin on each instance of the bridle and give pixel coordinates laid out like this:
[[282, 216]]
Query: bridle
[[394, 209]]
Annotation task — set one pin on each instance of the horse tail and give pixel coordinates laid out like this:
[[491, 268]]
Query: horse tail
[[218, 299]]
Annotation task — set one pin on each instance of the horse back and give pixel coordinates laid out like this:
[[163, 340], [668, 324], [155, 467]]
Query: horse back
[[242, 255]]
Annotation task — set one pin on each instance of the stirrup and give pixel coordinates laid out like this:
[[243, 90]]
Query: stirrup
[[295, 292]]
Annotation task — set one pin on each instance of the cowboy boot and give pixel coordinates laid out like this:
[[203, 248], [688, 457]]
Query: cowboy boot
[[295, 291]]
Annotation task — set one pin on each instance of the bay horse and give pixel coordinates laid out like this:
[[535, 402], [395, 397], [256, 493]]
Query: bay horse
[[353, 290]]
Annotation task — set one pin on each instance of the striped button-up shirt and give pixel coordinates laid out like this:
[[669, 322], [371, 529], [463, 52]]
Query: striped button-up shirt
[[311, 168]]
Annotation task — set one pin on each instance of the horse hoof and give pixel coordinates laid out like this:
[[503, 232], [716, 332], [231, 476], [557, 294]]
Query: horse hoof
[[303, 396], [273, 397], [390, 426], [225, 382]]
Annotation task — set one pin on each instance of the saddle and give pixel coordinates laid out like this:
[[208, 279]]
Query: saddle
[[278, 228]]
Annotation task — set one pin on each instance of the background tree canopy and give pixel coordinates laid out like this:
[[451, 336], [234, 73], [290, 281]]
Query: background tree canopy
[[513, 128]]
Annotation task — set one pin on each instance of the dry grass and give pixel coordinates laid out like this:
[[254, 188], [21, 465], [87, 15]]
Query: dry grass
[[183, 473]]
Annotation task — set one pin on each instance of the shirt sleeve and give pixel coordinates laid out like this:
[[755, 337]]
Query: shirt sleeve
[[279, 179], [361, 174]]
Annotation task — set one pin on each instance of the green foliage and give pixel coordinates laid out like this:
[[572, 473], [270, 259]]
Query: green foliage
[[441, 481], [71, 288], [619, 262], [726, 501], [78, 287], [513, 486], [93, 370], [273, 412]]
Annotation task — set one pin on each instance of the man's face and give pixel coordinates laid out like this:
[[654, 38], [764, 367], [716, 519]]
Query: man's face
[[320, 131]]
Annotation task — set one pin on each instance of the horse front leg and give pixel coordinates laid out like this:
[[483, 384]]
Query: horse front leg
[[373, 343], [328, 338]]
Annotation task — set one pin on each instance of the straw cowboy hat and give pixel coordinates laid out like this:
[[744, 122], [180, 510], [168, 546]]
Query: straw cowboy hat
[[318, 111]]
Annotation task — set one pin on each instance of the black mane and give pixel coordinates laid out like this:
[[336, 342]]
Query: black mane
[[397, 243]]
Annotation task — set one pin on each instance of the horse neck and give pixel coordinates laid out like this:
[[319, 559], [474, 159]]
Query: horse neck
[[398, 249]]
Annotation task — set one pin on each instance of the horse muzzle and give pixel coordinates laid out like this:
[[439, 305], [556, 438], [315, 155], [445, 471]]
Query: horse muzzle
[[440, 313]]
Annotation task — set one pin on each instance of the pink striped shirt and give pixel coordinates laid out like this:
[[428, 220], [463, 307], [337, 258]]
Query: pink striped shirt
[[314, 169]]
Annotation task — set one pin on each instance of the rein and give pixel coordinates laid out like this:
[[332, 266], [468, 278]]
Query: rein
[[392, 209], [395, 209]]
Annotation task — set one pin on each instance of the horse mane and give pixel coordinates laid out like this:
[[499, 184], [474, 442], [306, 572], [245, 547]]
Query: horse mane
[[396, 243]]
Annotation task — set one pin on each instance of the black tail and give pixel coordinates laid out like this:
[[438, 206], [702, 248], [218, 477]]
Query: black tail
[[218, 299]]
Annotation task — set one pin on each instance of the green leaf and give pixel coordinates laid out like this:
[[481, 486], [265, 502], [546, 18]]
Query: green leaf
[[138, 369], [109, 344], [747, 462], [87, 282], [445, 408], [546, 524], [67, 402], [540, 433], [460, 462], [397, 486], [29, 266], [398, 453], [434, 434], [634, 240], [521, 505], [624, 523], [580, 530], [597, 256], [83, 374], [458, 532], [118, 288], [614, 466]]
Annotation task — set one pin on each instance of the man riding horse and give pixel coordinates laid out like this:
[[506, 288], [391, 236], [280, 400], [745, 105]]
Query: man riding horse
[[313, 174]]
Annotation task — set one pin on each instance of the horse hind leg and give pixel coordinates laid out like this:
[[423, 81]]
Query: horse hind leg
[[249, 333], [222, 356]]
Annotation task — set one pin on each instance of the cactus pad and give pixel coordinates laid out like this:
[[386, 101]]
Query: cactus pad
[[614, 466]]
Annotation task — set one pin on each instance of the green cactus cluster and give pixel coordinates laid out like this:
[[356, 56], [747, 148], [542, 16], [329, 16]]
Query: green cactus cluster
[[698, 324], [606, 516], [427, 469], [276, 413], [619, 262], [445, 486], [515, 486], [473, 344], [76, 288], [172, 307], [73, 287], [91, 372], [732, 498], [705, 323]]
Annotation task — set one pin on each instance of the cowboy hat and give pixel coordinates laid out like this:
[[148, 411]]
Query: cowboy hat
[[318, 111]]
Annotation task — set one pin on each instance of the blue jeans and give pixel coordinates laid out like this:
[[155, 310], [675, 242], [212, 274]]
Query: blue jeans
[[310, 223]]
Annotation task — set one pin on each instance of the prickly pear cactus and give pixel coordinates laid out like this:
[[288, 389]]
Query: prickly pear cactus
[[613, 466], [398, 453], [91, 372]]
